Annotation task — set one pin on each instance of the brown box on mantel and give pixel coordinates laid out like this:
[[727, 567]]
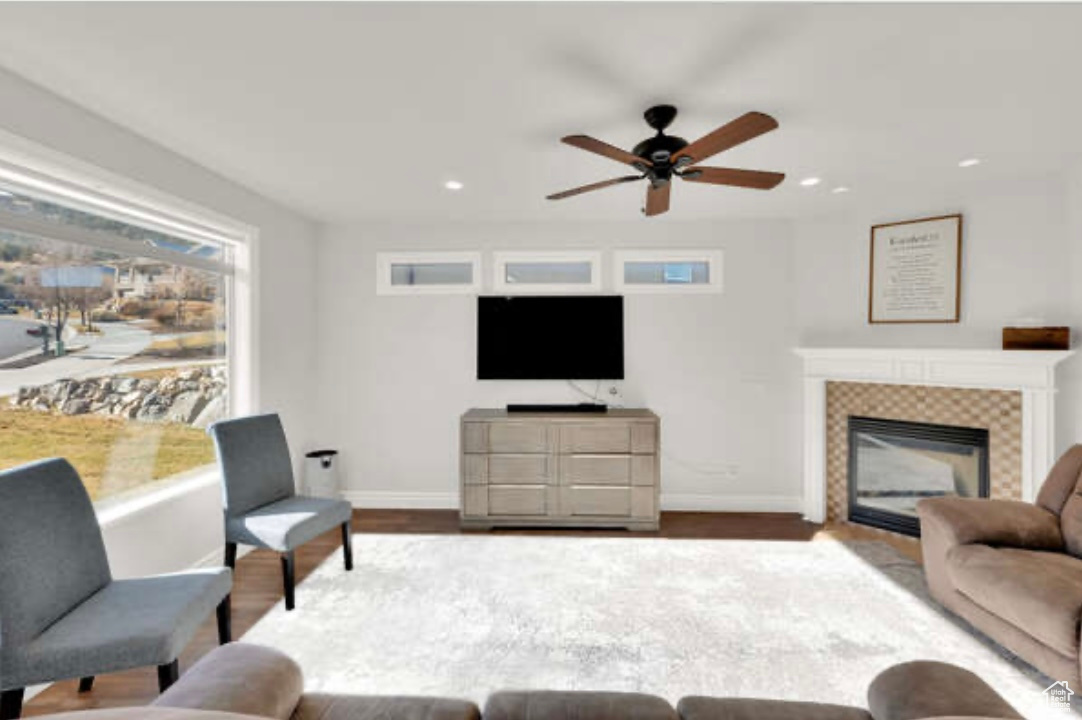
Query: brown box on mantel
[[1039, 338]]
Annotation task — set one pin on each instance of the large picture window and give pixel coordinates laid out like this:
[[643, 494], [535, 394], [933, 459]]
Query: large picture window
[[113, 345]]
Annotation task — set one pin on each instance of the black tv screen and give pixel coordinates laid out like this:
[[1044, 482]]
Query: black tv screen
[[550, 338]]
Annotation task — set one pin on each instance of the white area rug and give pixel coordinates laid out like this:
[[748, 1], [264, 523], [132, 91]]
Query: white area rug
[[466, 615]]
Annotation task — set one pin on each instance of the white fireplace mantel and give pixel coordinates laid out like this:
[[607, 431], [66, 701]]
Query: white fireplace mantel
[[1030, 372]]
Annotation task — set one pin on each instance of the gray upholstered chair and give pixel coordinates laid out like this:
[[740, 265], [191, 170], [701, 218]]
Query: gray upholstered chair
[[262, 507], [62, 615]]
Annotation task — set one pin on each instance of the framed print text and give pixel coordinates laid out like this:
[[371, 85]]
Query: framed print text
[[916, 271]]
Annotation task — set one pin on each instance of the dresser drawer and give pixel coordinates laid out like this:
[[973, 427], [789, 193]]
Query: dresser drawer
[[596, 438], [518, 437], [474, 437], [595, 470], [520, 469], [475, 470], [644, 503], [644, 438], [534, 469], [530, 500], [475, 501], [644, 470], [595, 501]]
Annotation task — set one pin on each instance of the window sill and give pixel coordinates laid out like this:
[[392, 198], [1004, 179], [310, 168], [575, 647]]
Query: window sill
[[121, 510]]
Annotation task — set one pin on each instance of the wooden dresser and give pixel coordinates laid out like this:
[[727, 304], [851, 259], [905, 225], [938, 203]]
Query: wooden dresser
[[560, 469]]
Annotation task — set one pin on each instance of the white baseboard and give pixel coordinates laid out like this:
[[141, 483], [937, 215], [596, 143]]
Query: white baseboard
[[402, 500], [669, 501], [680, 502]]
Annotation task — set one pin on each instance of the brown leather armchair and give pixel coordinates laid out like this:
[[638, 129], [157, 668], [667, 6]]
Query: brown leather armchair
[[1014, 570]]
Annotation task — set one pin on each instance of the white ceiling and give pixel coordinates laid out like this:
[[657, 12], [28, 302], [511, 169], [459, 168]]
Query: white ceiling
[[354, 111]]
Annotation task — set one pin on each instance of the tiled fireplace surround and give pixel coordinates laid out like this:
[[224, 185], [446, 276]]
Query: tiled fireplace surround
[[1009, 393], [998, 411]]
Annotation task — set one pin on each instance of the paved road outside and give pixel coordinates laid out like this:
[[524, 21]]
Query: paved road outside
[[116, 342], [13, 337]]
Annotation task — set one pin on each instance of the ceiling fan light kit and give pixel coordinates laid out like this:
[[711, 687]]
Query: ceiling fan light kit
[[662, 157]]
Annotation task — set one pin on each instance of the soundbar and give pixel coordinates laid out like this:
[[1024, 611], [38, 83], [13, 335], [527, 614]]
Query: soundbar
[[571, 408]]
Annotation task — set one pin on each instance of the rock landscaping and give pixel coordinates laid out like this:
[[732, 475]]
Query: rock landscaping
[[192, 396]]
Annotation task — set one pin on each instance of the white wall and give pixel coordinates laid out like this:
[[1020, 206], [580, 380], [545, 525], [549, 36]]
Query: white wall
[[186, 529], [396, 372], [1013, 251], [1069, 402], [1017, 249]]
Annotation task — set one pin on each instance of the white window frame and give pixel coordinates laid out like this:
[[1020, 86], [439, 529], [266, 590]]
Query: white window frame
[[43, 172], [500, 261], [385, 261], [713, 258]]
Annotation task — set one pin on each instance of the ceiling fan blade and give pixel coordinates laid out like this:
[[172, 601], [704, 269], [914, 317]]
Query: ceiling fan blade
[[657, 199], [755, 179], [585, 142], [744, 128], [593, 186]]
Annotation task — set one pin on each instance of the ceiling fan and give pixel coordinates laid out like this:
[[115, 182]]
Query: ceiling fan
[[662, 157]]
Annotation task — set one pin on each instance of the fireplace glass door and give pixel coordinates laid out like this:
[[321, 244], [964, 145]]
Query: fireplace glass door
[[893, 464]]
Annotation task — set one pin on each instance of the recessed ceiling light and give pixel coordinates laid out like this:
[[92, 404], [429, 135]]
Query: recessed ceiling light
[[453, 185], [808, 182], [969, 162], [839, 190]]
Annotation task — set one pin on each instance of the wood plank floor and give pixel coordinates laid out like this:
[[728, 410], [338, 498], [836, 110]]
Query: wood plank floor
[[258, 585]]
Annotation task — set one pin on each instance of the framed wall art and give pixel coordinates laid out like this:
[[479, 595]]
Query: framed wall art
[[916, 271]]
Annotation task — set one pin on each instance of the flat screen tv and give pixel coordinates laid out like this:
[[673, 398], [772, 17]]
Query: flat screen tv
[[550, 338]]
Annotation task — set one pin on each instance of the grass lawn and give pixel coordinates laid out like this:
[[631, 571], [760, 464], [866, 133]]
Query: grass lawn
[[160, 373], [201, 339], [202, 344], [111, 454]]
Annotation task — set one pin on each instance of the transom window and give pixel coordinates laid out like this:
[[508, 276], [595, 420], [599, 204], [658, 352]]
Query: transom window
[[550, 271], [428, 273], [406, 274], [661, 271]]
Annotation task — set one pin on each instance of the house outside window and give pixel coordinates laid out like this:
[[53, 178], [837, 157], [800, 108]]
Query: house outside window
[[114, 343]]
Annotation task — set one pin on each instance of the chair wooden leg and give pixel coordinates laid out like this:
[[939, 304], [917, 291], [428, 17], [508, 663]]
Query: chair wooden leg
[[168, 674], [287, 577], [225, 621], [231, 555], [347, 544], [86, 684], [11, 704]]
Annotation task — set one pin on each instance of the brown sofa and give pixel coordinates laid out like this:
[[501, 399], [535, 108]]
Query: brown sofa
[[249, 682], [1014, 570]]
